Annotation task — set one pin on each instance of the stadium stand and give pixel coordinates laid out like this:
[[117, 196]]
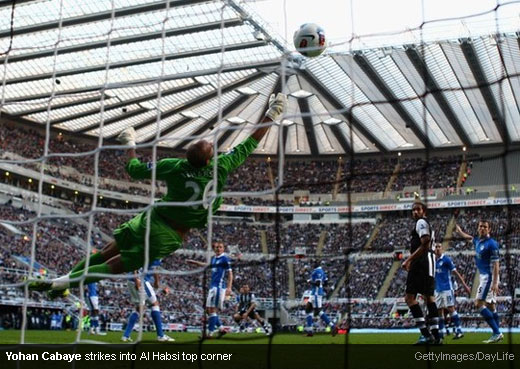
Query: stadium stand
[[251, 242], [316, 177], [490, 172], [366, 278], [437, 173]]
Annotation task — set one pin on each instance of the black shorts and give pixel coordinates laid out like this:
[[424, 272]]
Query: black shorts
[[419, 281], [251, 314]]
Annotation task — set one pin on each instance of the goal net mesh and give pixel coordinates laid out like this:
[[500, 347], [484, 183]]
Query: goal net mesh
[[179, 71]]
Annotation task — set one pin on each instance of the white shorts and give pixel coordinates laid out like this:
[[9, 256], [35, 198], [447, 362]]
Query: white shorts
[[93, 303], [484, 289], [306, 297], [216, 297], [145, 294], [316, 301], [444, 299]]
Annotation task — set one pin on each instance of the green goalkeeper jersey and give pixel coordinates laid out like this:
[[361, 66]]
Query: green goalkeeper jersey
[[187, 183]]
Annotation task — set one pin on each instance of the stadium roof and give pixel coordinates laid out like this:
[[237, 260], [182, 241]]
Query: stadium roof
[[94, 69]]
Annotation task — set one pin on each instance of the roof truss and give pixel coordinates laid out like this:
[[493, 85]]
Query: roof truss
[[94, 17], [391, 98], [432, 88], [347, 115]]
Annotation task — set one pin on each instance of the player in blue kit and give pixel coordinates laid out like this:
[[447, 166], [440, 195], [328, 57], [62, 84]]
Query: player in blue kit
[[92, 300], [487, 259], [142, 293], [145, 292], [445, 291], [314, 305], [220, 286]]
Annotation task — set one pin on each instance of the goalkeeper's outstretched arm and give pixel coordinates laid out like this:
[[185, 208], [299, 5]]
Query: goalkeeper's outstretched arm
[[200, 153], [127, 138], [274, 112], [239, 154]]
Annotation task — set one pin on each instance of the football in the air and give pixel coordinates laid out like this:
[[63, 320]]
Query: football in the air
[[309, 40]]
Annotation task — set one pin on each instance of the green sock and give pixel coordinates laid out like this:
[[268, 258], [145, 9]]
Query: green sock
[[100, 268], [95, 259]]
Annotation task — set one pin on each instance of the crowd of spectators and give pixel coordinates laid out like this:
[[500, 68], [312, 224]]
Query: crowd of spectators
[[436, 173], [105, 222], [394, 230], [251, 176], [54, 248], [509, 273], [394, 233], [398, 284], [366, 278], [371, 175], [372, 308], [72, 159], [348, 237], [465, 265], [183, 295], [267, 279], [305, 236], [241, 236], [312, 176]]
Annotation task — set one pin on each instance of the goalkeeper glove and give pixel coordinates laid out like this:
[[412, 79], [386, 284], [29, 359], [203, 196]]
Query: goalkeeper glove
[[127, 137], [276, 106]]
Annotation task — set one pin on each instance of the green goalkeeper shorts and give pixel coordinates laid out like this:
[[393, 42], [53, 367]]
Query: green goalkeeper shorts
[[130, 238]]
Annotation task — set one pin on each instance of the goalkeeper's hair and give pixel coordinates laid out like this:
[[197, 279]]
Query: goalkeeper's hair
[[196, 154]]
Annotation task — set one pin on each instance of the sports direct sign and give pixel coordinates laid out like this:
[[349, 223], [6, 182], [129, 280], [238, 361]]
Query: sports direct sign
[[368, 208]]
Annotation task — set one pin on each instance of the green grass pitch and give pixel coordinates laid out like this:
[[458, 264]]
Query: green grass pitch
[[50, 337]]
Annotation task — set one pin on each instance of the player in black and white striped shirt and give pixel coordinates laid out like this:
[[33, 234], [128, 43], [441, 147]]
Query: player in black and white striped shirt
[[246, 308], [421, 276]]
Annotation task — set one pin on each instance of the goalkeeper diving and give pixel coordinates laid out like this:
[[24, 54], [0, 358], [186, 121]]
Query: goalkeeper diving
[[187, 180]]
